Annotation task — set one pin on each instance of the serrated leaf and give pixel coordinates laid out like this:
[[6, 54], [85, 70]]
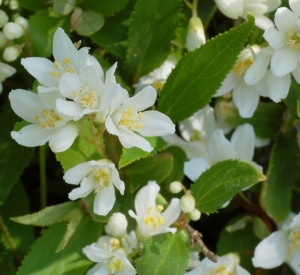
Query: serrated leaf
[[107, 8], [14, 157], [33, 5], [50, 215], [88, 23], [163, 254], [151, 30], [133, 154], [221, 182], [266, 120], [282, 171], [64, 7], [42, 259], [199, 74], [155, 168]]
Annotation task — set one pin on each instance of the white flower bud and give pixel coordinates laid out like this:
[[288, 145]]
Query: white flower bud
[[13, 30], [11, 53], [195, 215], [195, 34], [116, 225], [13, 4], [3, 40], [21, 21], [175, 187], [187, 203], [3, 18]]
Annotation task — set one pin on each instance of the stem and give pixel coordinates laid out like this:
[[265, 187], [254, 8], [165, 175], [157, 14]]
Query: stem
[[43, 180], [210, 16]]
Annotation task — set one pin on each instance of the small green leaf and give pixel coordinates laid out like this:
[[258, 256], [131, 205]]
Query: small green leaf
[[199, 74], [133, 154], [33, 5], [88, 22], [64, 7], [151, 30], [107, 8], [163, 254], [266, 120], [155, 168], [221, 182]]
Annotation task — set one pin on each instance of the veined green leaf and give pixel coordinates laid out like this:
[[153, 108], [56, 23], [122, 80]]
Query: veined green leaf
[[64, 7], [199, 74], [87, 22], [163, 254], [151, 30], [107, 8], [221, 182]]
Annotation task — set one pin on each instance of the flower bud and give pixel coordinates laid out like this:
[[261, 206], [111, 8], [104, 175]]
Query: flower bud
[[116, 225], [187, 203], [3, 18], [11, 53], [3, 40], [175, 187], [13, 30], [195, 215], [195, 34], [21, 21]]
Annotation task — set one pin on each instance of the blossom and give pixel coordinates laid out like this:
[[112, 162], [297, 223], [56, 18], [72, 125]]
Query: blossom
[[195, 35], [126, 120], [100, 176], [228, 264], [116, 225], [150, 218], [284, 39], [282, 246], [109, 256], [47, 124], [67, 59], [5, 72], [240, 8]]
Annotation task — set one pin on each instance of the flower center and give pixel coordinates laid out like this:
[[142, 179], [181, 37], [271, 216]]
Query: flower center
[[241, 66], [85, 97], [153, 217], [221, 270], [60, 68], [102, 177], [294, 240], [48, 118], [129, 119], [115, 265], [293, 41]]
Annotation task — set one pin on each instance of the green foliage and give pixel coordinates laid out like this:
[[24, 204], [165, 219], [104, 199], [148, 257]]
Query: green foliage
[[33, 5], [107, 8], [151, 31], [163, 254], [64, 7], [200, 73], [88, 22], [221, 182]]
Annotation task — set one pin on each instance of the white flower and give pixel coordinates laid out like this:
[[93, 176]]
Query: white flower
[[110, 258], [241, 146], [116, 225], [130, 242], [67, 59], [99, 176], [5, 72], [282, 246], [46, 123], [126, 120], [240, 8], [225, 265], [150, 218], [195, 35]]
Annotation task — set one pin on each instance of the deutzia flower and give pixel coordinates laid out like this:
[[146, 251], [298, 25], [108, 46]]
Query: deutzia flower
[[195, 35], [150, 218], [67, 59], [5, 72], [282, 246], [47, 123], [285, 40], [109, 256], [240, 8], [99, 176], [126, 120], [226, 265]]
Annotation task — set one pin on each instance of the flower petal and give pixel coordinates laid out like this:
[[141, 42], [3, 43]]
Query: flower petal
[[275, 38], [195, 167], [104, 200], [76, 174], [85, 188], [231, 81], [295, 6], [286, 20], [97, 254], [284, 61], [278, 86]]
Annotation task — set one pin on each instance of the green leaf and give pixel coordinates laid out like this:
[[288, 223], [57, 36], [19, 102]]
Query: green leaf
[[107, 8], [33, 5], [155, 168], [88, 22], [43, 259], [41, 30], [151, 30], [163, 254], [133, 154], [64, 7], [14, 158], [282, 171], [221, 182], [199, 74], [266, 120]]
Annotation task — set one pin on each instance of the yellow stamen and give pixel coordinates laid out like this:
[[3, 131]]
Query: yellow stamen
[[221, 270], [293, 41]]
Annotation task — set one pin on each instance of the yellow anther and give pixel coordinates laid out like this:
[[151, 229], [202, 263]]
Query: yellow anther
[[70, 70], [114, 244], [158, 85], [294, 240], [129, 119], [56, 64], [102, 177], [293, 41], [67, 61], [159, 208], [241, 66], [115, 265], [221, 270], [36, 118], [53, 73]]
